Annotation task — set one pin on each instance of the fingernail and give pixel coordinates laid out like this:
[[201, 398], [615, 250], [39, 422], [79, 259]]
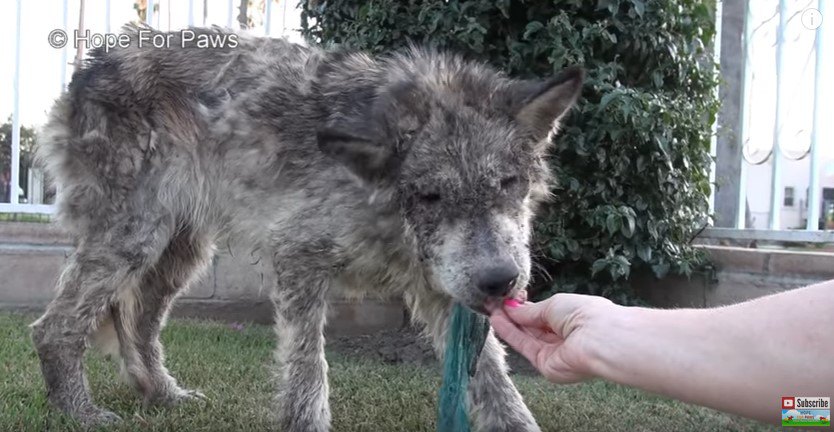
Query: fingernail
[[511, 302]]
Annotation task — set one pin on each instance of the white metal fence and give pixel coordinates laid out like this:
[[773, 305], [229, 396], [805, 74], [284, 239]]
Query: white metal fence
[[784, 14], [791, 34]]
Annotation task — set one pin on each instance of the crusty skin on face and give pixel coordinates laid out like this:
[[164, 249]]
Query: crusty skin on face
[[413, 175]]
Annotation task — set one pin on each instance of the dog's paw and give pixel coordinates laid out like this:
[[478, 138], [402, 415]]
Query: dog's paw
[[96, 417], [188, 395], [174, 397]]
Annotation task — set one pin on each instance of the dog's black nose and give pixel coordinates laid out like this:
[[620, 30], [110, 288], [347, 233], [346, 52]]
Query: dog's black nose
[[497, 281]]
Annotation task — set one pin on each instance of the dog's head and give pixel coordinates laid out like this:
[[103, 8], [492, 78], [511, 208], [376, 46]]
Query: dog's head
[[459, 149]]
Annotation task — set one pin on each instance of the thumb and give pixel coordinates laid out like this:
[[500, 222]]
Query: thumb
[[557, 313], [529, 314]]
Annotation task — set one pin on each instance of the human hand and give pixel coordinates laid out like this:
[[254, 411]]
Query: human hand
[[558, 336]]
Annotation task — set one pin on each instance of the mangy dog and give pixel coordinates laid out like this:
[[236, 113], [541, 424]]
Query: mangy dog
[[415, 174]]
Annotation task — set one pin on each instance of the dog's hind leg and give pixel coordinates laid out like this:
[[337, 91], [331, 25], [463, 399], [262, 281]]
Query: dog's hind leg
[[495, 404], [300, 300], [140, 317], [103, 265]]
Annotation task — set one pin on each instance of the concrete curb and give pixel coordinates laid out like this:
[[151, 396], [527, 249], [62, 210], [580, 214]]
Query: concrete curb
[[742, 274]]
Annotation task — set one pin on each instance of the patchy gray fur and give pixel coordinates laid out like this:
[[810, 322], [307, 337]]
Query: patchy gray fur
[[413, 175]]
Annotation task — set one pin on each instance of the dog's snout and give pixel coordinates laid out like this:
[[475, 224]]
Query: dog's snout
[[498, 280]]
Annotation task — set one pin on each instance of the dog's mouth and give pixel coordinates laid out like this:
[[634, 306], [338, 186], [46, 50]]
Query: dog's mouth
[[491, 304]]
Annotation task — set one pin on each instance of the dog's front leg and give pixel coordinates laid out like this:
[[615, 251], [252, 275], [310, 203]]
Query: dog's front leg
[[300, 305], [495, 404]]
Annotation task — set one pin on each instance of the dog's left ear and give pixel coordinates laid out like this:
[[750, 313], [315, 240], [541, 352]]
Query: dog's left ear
[[364, 155], [539, 105]]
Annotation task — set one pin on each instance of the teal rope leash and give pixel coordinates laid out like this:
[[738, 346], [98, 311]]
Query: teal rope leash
[[465, 339]]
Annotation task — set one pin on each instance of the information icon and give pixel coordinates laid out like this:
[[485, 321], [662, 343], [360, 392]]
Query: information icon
[[811, 18]]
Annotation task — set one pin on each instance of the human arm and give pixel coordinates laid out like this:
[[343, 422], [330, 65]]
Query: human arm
[[740, 358]]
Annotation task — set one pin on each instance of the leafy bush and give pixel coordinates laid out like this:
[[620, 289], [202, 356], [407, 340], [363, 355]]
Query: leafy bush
[[631, 161]]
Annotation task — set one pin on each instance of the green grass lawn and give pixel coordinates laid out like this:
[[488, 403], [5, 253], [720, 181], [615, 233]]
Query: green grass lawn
[[232, 368], [805, 424]]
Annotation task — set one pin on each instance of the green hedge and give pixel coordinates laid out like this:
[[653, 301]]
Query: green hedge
[[632, 159]]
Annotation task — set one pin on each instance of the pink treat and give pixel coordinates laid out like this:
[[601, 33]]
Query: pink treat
[[511, 302]]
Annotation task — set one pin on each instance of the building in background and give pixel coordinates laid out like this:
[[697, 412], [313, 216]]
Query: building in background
[[795, 192]]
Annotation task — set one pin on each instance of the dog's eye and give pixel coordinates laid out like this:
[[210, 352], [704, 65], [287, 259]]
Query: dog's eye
[[509, 182], [430, 198]]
